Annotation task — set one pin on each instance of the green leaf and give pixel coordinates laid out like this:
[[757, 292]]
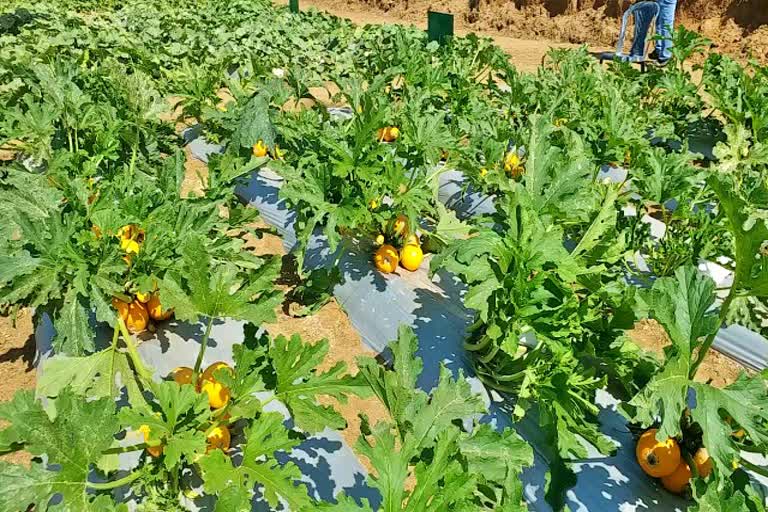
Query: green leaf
[[451, 468], [299, 384], [751, 260], [746, 402], [220, 290], [71, 441], [259, 466], [683, 305], [74, 335], [100, 375]]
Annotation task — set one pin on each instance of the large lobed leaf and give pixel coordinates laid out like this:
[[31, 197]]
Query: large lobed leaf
[[72, 441]]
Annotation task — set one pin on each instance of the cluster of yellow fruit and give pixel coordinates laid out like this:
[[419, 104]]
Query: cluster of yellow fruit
[[410, 256], [388, 134], [664, 460], [218, 437], [260, 149], [136, 314]]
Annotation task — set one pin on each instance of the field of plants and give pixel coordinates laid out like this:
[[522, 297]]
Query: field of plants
[[586, 198]]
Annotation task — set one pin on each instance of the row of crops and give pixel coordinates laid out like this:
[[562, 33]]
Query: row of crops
[[99, 232]]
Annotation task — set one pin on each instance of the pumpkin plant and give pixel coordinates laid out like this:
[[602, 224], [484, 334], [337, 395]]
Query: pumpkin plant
[[700, 435], [176, 432], [82, 245]]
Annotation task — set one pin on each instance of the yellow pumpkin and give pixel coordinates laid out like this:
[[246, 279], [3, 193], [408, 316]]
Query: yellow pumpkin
[[209, 373], [400, 225], [219, 438], [388, 134], [657, 458], [134, 314], [677, 481], [156, 310], [703, 462], [411, 257], [260, 149], [154, 451], [218, 393], [386, 259], [182, 375]]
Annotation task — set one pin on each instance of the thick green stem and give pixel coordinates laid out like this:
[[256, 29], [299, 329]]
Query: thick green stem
[[760, 470], [711, 338], [106, 486], [201, 354], [144, 374], [112, 362]]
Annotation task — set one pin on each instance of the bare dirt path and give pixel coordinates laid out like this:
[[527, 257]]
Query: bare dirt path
[[525, 54]]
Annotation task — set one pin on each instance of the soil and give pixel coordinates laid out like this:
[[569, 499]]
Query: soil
[[17, 364], [527, 28], [717, 369]]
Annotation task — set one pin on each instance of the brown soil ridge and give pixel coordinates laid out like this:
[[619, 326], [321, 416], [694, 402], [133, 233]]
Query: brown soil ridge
[[736, 27]]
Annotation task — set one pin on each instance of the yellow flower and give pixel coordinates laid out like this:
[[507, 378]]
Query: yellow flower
[[259, 149], [483, 171], [560, 121], [129, 246], [513, 165]]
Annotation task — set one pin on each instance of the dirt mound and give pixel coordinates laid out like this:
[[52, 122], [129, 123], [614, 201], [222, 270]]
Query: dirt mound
[[737, 27]]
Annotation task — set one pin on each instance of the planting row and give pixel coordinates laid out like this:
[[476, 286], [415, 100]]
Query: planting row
[[100, 227]]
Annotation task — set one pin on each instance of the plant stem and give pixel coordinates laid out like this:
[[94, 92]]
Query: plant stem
[[105, 486], [711, 338], [201, 354], [112, 362], [760, 470], [144, 374]]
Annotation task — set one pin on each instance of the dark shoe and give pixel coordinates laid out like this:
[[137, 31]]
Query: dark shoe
[[654, 55]]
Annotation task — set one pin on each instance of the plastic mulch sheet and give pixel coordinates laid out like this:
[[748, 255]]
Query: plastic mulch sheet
[[327, 463], [377, 304]]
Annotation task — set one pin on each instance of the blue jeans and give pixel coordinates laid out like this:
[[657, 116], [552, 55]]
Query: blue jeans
[[664, 24]]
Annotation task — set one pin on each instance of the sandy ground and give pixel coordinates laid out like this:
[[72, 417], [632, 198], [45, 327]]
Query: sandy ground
[[527, 28]]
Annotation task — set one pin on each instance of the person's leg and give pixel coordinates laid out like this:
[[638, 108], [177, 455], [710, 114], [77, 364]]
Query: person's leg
[[664, 24]]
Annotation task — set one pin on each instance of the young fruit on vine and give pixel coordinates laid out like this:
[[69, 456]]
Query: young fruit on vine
[[657, 458], [218, 393], [386, 259], [388, 134], [154, 451], [400, 225], [411, 257], [156, 310], [703, 462], [134, 314], [677, 481], [182, 375], [218, 438]]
